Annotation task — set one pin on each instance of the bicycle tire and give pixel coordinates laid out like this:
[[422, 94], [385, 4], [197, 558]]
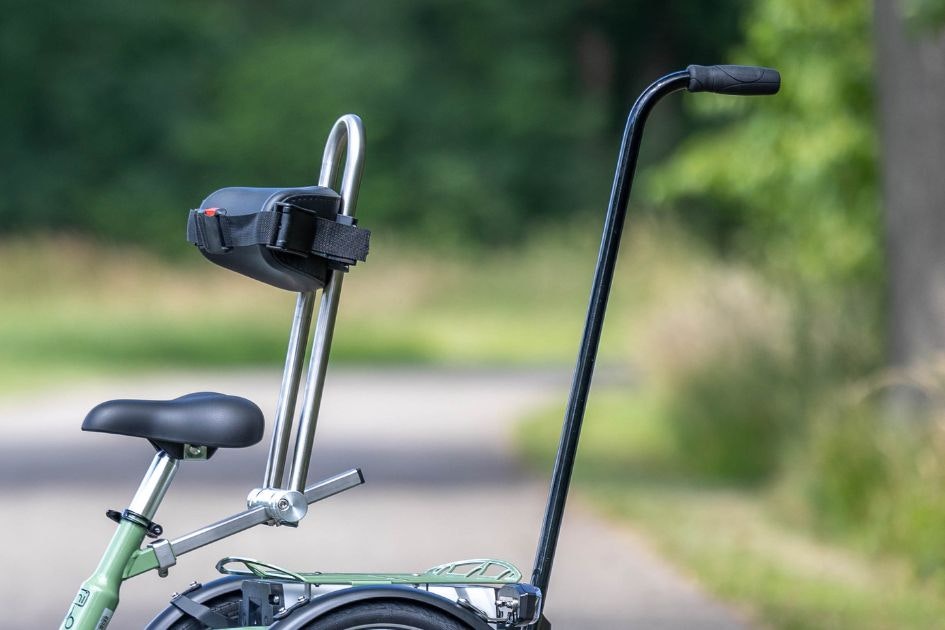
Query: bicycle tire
[[387, 615]]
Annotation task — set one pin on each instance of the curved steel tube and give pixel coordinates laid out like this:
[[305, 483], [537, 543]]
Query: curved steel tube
[[600, 291], [348, 132]]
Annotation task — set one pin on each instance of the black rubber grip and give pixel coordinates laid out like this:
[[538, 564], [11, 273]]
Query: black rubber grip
[[734, 79]]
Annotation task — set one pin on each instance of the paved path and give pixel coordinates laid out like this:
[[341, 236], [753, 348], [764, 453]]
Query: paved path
[[443, 484]]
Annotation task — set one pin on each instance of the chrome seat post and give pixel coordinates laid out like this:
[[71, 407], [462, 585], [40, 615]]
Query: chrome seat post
[[345, 139], [288, 393], [154, 485], [348, 132]]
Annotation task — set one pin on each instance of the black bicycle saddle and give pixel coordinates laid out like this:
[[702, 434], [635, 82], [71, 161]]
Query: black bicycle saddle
[[200, 419]]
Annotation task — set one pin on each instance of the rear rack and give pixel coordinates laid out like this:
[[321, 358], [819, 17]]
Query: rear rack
[[484, 572]]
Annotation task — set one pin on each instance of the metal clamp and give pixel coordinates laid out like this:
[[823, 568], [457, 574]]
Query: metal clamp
[[286, 507], [164, 554]]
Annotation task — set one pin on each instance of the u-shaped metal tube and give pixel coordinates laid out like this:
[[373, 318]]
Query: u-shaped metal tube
[[347, 133]]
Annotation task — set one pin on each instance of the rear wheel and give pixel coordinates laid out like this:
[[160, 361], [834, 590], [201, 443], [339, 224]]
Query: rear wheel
[[387, 615]]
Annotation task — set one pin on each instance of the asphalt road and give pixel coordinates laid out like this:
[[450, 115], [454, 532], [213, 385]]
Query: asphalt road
[[443, 484]]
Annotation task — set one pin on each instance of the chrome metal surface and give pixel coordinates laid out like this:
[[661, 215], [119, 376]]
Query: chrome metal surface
[[348, 132], [284, 506], [259, 515], [154, 485], [333, 485], [163, 553], [288, 393], [219, 530], [315, 386]]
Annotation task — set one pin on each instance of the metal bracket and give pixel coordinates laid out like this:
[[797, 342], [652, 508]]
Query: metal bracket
[[164, 554], [193, 451], [262, 600], [286, 507]]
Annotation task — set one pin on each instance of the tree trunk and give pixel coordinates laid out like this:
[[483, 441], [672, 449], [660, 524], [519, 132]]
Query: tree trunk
[[910, 68]]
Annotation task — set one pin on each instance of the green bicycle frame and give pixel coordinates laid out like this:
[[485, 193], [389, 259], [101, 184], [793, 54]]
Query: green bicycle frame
[[97, 599], [124, 558], [95, 603]]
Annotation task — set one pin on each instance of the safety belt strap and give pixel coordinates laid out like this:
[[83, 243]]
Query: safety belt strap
[[290, 229]]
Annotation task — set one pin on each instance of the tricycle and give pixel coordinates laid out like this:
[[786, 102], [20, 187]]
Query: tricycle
[[305, 240]]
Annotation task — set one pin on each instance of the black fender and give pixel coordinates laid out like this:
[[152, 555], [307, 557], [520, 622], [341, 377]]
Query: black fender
[[324, 604], [202, 594]]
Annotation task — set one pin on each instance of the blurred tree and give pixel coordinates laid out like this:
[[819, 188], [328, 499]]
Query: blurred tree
[[483, 118], [790, 180], [910, 46]]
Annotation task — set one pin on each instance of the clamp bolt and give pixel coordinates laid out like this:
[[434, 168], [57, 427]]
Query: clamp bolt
[[283, 504]]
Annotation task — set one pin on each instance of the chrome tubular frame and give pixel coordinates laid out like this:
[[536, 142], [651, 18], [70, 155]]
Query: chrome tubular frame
[[154, 485], [298, 338], [347, 132], [346, 138]]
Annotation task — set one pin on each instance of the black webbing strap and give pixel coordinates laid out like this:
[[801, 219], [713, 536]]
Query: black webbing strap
[[291, 230], [201, 613]]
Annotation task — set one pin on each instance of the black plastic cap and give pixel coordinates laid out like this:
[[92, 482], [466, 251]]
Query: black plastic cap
[[734, 80]]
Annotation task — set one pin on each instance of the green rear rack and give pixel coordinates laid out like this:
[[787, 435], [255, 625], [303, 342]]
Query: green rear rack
[[483, 572]]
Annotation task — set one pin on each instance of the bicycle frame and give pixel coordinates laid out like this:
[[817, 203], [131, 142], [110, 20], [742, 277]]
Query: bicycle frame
[[274, 503]]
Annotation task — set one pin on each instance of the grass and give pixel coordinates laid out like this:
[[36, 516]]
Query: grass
[[73, 308], [734, 540]]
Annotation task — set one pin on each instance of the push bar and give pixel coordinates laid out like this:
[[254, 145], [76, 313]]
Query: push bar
[[721, 79]]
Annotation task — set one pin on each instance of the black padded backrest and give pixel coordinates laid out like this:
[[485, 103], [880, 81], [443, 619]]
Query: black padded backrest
[[260, 262]]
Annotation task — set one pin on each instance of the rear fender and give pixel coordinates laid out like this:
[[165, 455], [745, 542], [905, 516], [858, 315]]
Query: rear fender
[[325, 604], [231, 584]]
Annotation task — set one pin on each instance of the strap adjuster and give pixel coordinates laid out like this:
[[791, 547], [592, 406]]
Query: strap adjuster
[[210, 230], [296, 230]]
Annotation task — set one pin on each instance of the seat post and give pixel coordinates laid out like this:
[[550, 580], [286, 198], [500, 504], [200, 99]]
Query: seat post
[[154, 485], [347, 133], [291, 377], [284, 495]]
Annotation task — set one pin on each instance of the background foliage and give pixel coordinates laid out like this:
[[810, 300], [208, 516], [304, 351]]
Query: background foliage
[[482, 117]]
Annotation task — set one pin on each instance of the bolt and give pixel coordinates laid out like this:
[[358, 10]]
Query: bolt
[[283, 504]]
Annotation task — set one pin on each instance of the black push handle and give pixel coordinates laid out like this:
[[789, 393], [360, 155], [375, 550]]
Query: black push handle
[[734, 79], [724, 79]]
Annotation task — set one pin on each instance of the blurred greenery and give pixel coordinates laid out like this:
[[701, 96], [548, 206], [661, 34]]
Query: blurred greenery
[[791, 181], [737, 541], [482, 116], [122, 309]]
